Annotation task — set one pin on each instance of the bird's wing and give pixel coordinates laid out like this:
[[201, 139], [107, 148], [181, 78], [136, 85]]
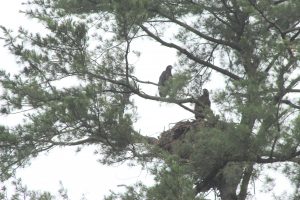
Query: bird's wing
[[162, 78]]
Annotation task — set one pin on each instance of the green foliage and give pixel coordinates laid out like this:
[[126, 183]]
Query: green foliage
[[136, 192], [176, 85], [22, 192], [254, 45], [172, 182]]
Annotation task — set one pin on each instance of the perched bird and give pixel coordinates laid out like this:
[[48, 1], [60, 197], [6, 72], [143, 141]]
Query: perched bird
[[202, 107], [164, 77]]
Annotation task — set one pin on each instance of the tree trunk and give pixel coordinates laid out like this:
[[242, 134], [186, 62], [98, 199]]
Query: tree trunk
[[229, 181]]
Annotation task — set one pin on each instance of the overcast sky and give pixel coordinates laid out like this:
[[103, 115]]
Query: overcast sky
[[80, 172]]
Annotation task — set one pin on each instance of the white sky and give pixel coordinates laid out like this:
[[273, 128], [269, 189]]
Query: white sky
[[80, 172]]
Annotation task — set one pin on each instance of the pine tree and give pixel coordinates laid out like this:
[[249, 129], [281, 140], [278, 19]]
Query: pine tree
[[253, 44]]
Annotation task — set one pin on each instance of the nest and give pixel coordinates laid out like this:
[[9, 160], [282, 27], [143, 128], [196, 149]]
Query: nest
[[182, 134], [176, 134], [179, 130]]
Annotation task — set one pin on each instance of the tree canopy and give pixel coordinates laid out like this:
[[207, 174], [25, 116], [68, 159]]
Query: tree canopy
[[252, 44]]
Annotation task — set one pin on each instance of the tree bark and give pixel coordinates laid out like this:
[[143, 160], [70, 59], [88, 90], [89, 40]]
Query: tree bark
[[229, 181]]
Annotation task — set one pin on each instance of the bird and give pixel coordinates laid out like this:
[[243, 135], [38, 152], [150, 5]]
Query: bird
[[202, 106], [164, 77]]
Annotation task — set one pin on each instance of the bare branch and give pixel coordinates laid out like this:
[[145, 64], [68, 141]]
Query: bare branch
[[190, 55], [79, 142], [288, 102], [271, 64], [137, 91], [195, 31], [293, 83], [296, 34], [186, 108], [294, 90], [278, 2]]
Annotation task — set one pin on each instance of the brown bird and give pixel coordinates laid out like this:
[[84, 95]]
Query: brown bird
[[164, 77], [202, 107]]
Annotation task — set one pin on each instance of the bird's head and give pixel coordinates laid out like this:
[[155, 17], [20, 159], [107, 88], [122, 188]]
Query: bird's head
[[169, 67], [205, 92]]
